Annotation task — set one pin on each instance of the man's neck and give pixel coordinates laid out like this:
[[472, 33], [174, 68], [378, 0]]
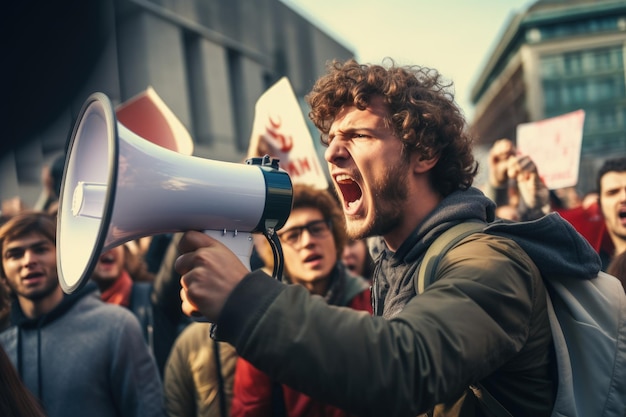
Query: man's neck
[[619, 243], [414, 214], [104, 284], [317, 287], [34, 309]]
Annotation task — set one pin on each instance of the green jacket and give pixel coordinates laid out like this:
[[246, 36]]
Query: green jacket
[[484, 320]]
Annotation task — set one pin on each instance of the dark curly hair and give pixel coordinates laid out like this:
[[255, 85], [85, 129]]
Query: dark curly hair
[[422, 113], [610, 165]]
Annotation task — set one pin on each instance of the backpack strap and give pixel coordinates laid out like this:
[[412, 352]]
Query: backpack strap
[[425, 276], [437, 250]]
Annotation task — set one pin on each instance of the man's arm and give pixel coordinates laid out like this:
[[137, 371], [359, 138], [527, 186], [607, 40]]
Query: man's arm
[[461, 329], [497, 187]]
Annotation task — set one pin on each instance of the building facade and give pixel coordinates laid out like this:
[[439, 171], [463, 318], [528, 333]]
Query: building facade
[[552, 59], [209, 60]]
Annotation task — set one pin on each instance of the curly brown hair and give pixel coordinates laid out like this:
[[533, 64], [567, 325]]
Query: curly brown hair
[[422, 112]]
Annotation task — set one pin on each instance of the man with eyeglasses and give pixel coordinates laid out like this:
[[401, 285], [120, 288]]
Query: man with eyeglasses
[[312, 241]]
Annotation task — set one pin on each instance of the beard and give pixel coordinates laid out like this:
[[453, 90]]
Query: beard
[[36, 295], [43, 293], [389, 195]]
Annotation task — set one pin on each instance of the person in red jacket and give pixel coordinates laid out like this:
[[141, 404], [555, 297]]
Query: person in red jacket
[[603, 222], [312, 241]]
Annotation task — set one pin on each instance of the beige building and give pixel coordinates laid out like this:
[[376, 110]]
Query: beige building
[[555, 58], [209, 60]]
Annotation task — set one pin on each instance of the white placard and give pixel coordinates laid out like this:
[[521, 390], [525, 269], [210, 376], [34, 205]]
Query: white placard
[[280, 131], [554, 144]]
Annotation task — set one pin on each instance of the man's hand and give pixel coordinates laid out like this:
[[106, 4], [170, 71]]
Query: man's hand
[[530, 186], [499, 155], [209, 272]]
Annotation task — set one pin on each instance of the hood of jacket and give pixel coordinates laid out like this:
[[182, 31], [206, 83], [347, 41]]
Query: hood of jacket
[[458, 207], [20, 323], [394, 273], [20, 320], [553, 244]]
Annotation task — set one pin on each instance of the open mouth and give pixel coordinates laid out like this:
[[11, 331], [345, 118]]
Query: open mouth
[[351, 265], [312, 261], [33, 276], [106, 259], [312, 258], [350, 190]]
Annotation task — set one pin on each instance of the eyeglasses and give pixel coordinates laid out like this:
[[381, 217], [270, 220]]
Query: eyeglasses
[[316, 228]]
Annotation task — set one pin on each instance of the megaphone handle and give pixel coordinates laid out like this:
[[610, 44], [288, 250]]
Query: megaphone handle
[[238, 242]]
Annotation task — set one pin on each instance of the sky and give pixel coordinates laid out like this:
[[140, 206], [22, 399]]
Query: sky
[[454, 36]]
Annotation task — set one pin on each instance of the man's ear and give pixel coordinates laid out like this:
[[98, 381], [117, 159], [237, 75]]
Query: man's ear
[[421, 165]]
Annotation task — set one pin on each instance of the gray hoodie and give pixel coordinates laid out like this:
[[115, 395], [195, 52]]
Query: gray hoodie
[[85, 358]]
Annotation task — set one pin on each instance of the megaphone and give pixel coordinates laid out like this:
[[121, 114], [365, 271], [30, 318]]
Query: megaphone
[[118, 186]]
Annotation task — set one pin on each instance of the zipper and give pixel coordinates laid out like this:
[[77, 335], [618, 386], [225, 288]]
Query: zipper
[[375, 288]]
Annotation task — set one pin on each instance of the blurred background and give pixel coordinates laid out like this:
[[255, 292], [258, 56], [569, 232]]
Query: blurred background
[[210, 60]]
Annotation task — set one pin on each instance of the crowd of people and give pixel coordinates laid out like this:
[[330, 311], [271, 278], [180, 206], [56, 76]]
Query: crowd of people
[[516, 187], [342, 332]]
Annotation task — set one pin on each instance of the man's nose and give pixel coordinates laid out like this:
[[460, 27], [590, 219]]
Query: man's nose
[[29, 257], [306, 238], [336, 150]]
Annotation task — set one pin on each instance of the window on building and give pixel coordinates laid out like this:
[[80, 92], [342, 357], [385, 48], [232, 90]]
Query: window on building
[[604, 24], [551, 94], [608, 119], [601, 89], [573, 63], [551, 66], [607, 59], [574, 93]]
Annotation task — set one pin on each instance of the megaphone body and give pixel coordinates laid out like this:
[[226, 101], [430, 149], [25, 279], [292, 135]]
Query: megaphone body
[[118, 186]]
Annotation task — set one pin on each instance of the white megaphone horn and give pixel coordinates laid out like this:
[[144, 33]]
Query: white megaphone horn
[[118, 186]]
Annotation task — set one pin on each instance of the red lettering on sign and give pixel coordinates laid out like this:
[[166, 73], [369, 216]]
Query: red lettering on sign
[[272, 133]]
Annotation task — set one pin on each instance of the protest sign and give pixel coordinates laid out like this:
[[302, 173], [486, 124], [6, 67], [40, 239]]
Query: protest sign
[[147, 115], [280, 131], [554, 145]]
